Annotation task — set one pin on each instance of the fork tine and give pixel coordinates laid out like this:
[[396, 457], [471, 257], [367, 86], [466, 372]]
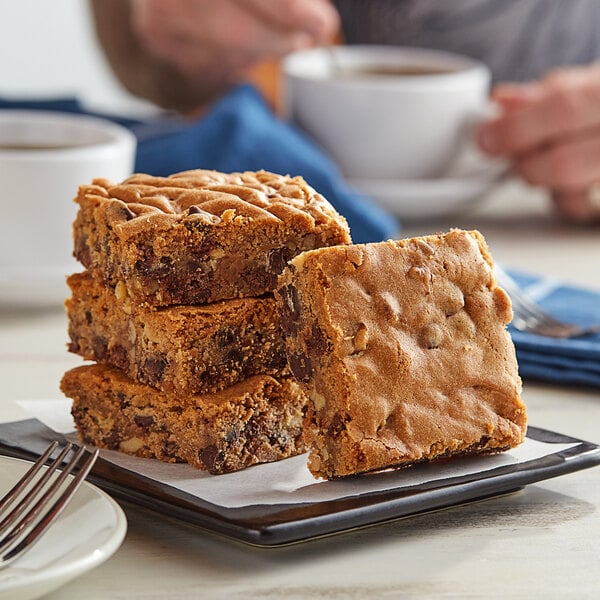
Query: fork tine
[[9, 497], [530, 317], [523, 305], [33, 492], [40, 504], [27, 531], [525, 309]]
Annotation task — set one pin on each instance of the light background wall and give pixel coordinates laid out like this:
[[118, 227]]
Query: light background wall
[[48, 48]]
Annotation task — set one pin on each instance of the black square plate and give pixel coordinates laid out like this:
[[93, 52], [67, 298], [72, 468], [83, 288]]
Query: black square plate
[[278, 524]]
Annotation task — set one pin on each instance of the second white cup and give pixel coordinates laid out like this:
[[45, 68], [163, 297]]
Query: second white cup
[[44, 157], [383, 111]]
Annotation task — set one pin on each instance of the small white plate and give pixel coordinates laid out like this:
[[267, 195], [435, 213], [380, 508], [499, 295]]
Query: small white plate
[[89, 531], [420, 199]]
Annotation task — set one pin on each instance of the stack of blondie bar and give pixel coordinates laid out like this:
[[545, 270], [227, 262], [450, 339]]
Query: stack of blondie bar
[[176, 310]]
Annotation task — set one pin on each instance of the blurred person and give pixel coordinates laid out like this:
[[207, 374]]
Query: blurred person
[[550, 129], [549, 124], [183, 53]]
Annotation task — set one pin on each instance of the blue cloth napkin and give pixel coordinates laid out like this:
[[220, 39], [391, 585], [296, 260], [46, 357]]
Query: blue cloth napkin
[[240, 133], [572, 361]]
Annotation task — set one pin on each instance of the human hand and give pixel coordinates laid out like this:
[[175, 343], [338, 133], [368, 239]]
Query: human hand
[[550, 130], [221, 39]]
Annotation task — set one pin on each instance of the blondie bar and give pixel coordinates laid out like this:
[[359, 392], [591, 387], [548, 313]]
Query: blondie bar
[[255, 421], [200, 236], [186, 349], [403, 349]]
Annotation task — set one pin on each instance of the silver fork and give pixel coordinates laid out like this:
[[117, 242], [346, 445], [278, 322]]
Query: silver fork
[[38, 498], [530, 317]]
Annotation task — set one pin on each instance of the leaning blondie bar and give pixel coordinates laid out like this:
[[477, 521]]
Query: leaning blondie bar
[[200, 236], [186, 349], [255, 421], [403, 349]]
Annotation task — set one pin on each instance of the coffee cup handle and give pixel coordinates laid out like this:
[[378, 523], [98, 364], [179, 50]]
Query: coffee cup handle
[[469, 159]]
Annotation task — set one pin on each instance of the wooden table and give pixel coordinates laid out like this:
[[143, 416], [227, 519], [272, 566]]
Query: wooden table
[[541, 542]]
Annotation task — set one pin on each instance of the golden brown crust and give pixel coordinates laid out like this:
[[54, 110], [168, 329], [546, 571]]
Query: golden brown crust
[[403, 349], [255, 421], [200, 236]]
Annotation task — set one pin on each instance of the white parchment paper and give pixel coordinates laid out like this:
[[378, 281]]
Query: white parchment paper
[[287, 481]]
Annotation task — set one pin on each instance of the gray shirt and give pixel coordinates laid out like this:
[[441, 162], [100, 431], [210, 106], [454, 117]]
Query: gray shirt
[[519, 39]]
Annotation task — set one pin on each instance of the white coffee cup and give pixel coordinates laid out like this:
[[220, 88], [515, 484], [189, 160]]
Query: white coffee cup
[[385, 112], [44, 157]]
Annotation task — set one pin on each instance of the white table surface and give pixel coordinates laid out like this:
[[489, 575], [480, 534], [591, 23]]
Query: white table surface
[[541, 542]]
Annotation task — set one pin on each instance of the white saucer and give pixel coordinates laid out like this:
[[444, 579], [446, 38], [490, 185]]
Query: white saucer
[[415, 199], [89, 531], [35, 287]]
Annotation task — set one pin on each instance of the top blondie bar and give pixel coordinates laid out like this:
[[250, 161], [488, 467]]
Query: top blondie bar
[[200, 236]]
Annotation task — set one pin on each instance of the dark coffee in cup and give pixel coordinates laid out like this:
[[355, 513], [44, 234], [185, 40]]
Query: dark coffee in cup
[[390, 71], [34, 147]]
